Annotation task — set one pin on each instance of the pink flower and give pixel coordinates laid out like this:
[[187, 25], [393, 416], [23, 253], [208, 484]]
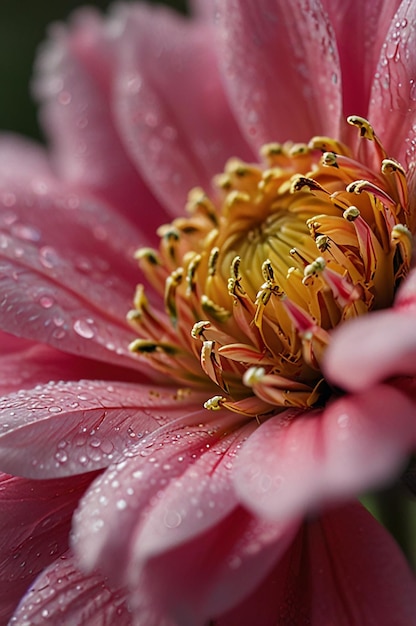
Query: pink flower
[[203, 517]]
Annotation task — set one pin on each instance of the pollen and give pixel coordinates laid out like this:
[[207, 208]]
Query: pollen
[[257, 275]]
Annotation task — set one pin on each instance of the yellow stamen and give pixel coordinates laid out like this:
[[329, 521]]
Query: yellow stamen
[[257, 277]]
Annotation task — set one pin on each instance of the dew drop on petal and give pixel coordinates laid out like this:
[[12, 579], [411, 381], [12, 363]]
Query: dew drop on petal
[[46, 301], [48, 257], [172, 519], [83, 329], [54, 409], [61, 456]]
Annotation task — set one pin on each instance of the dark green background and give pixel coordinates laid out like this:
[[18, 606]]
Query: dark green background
[[23, 25]]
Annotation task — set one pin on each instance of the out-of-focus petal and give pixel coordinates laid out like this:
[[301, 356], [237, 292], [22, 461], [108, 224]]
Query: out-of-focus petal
[[216, 570], [291, 465], [172, 112], [74, 86], [343, 569], [360, 29], [64, 595], [392, 109], [372, 349], [281, 68], [67, 428], [35, 520]]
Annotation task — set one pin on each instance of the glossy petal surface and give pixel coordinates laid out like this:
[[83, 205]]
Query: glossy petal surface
[[270, 43]]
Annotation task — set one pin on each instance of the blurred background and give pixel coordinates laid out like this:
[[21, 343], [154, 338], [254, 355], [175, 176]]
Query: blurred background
[[23, 26]]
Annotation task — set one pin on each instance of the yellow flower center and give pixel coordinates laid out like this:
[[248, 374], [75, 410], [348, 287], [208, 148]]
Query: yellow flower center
[[257, 276]]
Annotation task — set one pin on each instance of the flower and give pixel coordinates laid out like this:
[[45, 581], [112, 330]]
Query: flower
[[244, 512]]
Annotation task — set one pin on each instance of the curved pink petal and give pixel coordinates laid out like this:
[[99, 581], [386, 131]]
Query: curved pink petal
[[64, 595], [22, 158], [180, 475], [344, 569], [360, 29], [372, 349], [67, 268], [66, 428], [281, 68], [291, 465], [74, 85], [217, 569], [172, 112], [393, 96], [35, 520], [25, 364]]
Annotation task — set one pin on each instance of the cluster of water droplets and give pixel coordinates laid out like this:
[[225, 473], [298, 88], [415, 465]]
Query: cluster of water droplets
[[89, 429]]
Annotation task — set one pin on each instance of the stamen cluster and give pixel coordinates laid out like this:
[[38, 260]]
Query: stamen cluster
[[256, 277]]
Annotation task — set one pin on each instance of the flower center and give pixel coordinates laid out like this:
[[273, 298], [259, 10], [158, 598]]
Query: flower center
[[257, 276]]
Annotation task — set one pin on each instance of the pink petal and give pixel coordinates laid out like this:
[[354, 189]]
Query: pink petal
[[74, 86], [20, 157], [64, 595], [360, 29], [65, 428], [165, 468], [393, 95], [68, 275], [343, 569], [281, 68], [35, 519], [371, 349], [358, 442], [406, 296], [172, 112], [24, 365], [216, 570]]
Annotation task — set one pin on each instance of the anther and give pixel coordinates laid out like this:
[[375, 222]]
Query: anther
[[390, 166], [267, 271], [357, 187], [199, 328], [212, 261], [351, 214], [302, 183], [235, 268], [322, 243], [315, 268], [146, 346], [147, 254], [253, 375], [365, 128], [215, 403], [329, 159], [190, 275]]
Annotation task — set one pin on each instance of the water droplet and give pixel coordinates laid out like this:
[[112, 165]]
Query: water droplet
[[59, 333], [61, 456], [134, 83], [48, 257], [83, 329], [54, 409], [64, 98], [121, 505], [26, 232], [172, 519], [46, 301], [343, 420], [391, 49]]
